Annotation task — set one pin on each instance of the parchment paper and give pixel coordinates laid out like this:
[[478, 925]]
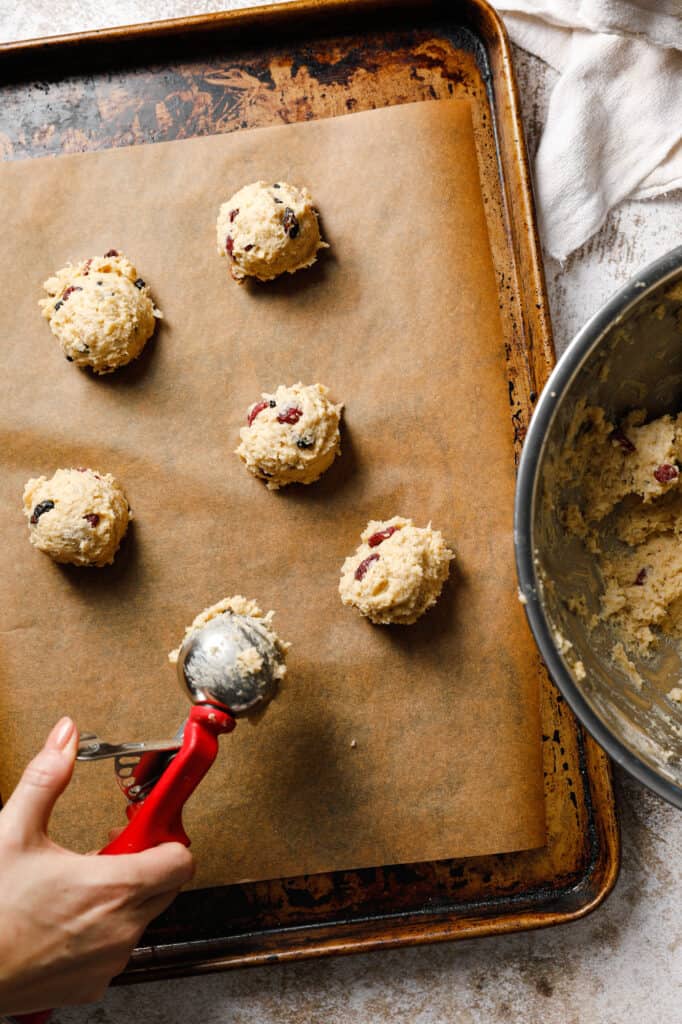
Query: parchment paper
[[400, 320]]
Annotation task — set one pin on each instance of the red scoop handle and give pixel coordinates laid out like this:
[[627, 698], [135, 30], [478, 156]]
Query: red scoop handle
[[158, 818]]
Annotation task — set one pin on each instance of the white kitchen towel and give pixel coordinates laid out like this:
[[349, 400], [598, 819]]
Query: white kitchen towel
[[614, 123]]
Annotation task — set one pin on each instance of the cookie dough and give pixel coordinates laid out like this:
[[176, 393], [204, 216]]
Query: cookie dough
[[629, 513], [398, 571], [77, 516], [100, 311], [268, 656], [266, 230], [291, 436]]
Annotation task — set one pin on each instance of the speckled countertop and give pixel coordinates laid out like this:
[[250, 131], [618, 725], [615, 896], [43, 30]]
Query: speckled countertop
[[624, 962]]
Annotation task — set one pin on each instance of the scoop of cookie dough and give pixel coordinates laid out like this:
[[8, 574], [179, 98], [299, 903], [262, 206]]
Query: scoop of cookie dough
[[398, 571], [291, 436], [100, 311], [77, 516], [262, 660], [267, 230]]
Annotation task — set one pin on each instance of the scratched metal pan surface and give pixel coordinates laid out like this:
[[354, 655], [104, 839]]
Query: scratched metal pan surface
[[217, 73]]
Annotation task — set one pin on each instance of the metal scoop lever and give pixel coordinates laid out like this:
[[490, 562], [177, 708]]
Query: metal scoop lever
[[92, 748]]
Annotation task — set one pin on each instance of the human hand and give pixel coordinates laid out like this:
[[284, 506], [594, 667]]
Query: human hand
[[69, 922]]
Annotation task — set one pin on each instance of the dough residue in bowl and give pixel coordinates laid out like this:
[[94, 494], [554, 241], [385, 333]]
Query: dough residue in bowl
[[627, 508]]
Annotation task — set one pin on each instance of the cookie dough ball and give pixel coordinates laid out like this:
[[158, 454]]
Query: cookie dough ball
[[100, 311], [398, 571], [291, 436], [263, 660], [77, 516], [267, 230]]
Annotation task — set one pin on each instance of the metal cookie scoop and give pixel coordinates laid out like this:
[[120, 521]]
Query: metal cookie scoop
[[216, 665], [231, 662], [230, 668]]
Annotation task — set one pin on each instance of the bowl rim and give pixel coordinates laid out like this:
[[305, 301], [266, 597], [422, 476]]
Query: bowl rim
[[651, 277]]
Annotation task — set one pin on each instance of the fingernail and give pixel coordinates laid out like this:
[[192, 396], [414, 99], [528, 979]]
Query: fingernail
[[61, 734]]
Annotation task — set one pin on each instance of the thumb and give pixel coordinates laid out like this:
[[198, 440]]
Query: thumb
[[27, 812]]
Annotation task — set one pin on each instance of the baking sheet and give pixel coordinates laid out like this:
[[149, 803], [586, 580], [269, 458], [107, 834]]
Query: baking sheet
[[400, 320]]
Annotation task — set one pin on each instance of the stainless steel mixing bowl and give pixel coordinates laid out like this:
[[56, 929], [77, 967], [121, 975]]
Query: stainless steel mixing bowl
[[628, 356]]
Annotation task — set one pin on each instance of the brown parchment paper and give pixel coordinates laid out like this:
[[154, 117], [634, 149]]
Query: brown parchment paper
[[400, 320]]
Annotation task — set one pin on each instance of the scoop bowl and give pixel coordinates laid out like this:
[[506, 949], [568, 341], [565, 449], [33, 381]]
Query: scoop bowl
[[231, 662]]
